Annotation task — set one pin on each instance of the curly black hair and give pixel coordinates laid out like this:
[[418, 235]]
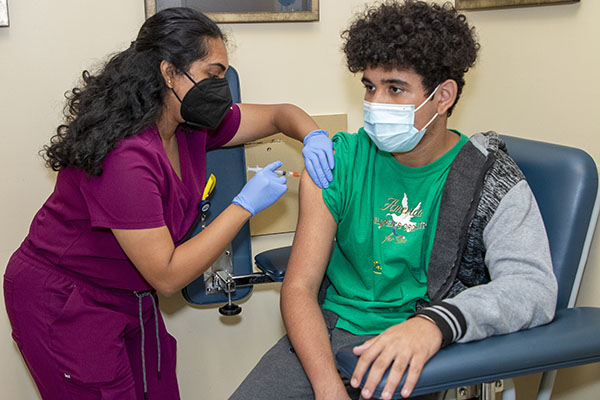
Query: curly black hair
[[433, 40], [127, 94]]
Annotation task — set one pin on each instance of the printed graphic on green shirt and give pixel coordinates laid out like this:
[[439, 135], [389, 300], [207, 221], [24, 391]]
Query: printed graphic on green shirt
[[400, 218]]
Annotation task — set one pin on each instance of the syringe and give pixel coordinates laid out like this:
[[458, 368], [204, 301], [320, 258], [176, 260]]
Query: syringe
[[278, 172]]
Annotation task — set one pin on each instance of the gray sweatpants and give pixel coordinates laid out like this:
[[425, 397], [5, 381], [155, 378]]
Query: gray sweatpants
[[279, 373]]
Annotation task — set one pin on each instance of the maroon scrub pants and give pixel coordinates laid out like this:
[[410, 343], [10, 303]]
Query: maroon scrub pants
[[83, 342]]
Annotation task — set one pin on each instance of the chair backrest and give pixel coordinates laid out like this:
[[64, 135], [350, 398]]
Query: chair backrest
[[229, 167], [564, 181]]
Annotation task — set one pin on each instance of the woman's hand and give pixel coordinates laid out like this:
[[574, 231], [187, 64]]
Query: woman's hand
[[318, 157], [408, 345], [264, 189]]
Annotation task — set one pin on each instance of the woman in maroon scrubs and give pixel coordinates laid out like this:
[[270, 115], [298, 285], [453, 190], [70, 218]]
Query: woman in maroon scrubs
[[81, 290]]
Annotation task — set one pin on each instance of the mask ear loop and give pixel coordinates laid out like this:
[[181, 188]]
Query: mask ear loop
[[427, 99], [430, 121], [423, 103], [191, 79], [175, 93]]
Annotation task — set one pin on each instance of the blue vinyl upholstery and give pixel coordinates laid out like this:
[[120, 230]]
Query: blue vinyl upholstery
[[274, 262], [229, 167], [564, 181]]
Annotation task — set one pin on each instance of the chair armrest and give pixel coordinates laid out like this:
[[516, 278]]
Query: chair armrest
[[570, 339], [274, 262]]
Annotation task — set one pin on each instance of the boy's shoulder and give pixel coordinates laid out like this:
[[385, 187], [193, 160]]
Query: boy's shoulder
[[351, 142]]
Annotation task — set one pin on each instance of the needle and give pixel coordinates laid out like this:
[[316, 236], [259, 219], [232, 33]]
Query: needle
[[283, 173]]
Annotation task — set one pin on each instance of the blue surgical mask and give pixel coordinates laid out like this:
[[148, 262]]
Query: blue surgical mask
[[392, 126]]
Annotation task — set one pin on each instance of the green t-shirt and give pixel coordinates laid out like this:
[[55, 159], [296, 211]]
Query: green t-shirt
[[386, 215]]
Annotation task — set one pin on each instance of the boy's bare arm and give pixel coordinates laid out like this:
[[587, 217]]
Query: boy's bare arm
[[299, 306]]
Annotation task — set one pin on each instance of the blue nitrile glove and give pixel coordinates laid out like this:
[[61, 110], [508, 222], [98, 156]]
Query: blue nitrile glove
[[318, 157], [262, 190]]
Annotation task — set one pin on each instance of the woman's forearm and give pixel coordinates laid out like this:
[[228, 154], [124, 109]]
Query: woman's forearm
[[261, 120], [168, 268], [293, 121]]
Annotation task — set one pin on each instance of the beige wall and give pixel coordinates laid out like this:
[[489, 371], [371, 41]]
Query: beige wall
[[42, 54], [535, 79]]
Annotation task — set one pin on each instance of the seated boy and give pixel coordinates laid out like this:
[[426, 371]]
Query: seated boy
[[438, 237]]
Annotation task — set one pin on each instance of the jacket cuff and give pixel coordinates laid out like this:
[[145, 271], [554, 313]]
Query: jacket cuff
[[448, 319]]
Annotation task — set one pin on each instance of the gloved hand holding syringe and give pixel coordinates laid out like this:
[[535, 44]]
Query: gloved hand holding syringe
[[278, 172], [263, 189]]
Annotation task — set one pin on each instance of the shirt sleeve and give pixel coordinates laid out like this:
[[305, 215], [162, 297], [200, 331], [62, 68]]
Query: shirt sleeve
[[128, 193], [226, 131], [335, 195]]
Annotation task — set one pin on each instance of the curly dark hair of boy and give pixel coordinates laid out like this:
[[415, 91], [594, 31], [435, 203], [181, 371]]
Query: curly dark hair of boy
[[127, 94], [433, 40]]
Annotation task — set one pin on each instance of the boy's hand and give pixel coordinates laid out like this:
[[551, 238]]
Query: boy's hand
[[407, 345]]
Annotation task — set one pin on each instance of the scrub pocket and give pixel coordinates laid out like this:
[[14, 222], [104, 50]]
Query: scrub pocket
[[87, 344]]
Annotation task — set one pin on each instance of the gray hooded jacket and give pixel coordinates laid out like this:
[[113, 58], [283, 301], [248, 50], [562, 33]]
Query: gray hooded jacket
[[490, 271]]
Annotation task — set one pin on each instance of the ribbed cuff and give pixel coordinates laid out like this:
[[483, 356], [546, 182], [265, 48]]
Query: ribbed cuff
[[448, 318]]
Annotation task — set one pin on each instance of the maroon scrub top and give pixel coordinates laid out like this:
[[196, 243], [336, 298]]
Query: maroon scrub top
[[138, 189]]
